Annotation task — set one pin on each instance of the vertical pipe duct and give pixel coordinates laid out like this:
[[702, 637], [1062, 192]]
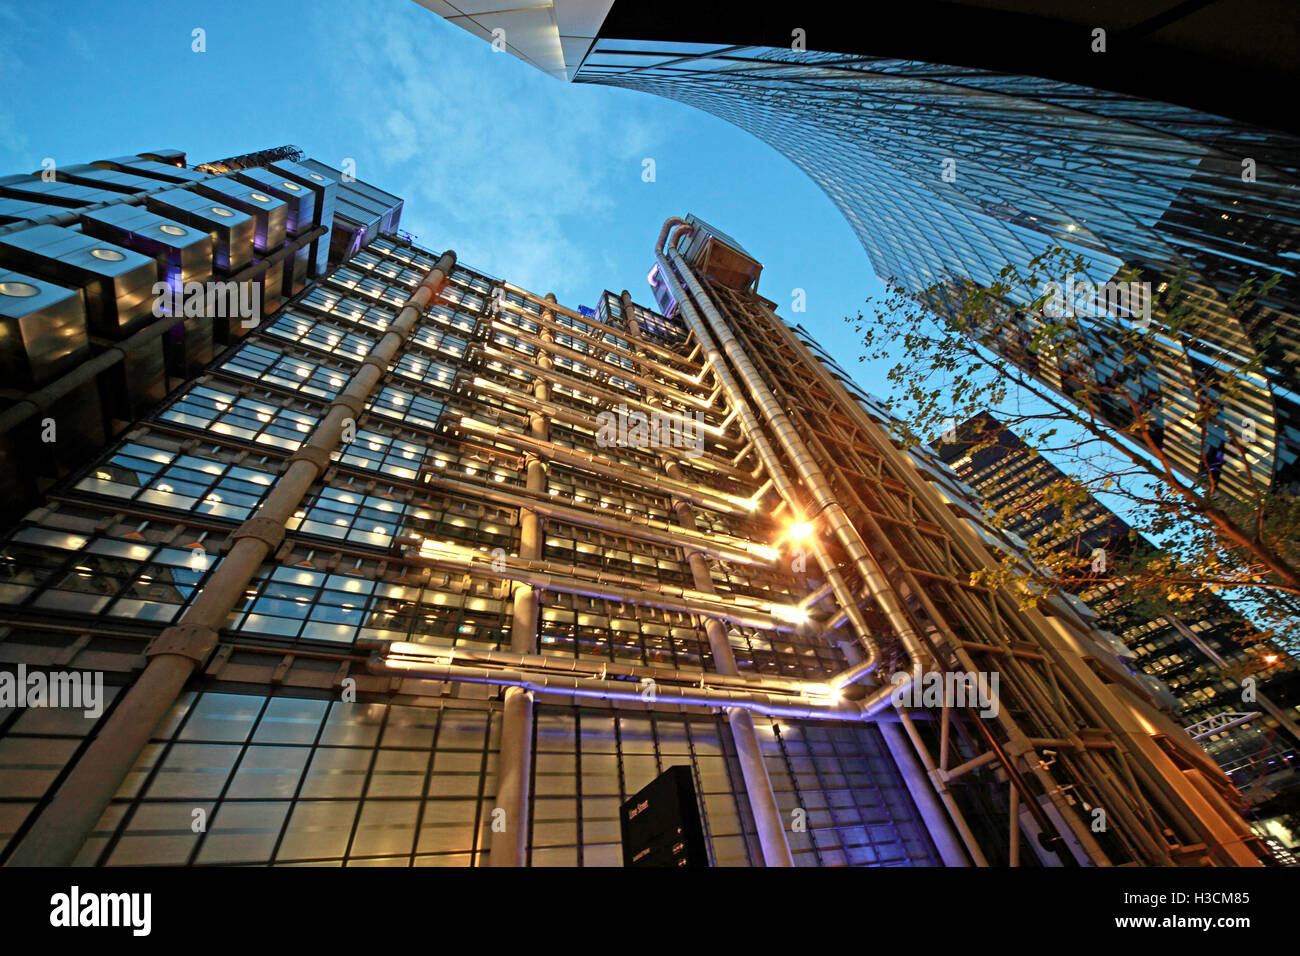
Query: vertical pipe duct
[[509, 847], [810, 474], [59, 832], [758, 786], [753, 431]]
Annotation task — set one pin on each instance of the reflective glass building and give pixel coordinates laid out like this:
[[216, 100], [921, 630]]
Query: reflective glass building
[[1193, 651], [952, 172], [419, 567], [947, 172]]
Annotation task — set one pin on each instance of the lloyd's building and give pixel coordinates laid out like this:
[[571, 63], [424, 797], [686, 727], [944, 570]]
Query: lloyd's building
[[366, 583]]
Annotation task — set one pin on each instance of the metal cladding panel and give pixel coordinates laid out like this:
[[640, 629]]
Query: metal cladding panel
[[719, 257], [163, 172], [300, 199], [99, 178], [55, 193], [44, 329], [116, 282], [81, 433], [28, 464], [137, 383], [326, 189], [361, 212], [231, 230], [393, 219], [187, 347], [295, 272], [347, 238], [18, 484], [26, 210], [184, 252], [168, 156], [273, 286], [271, 214]]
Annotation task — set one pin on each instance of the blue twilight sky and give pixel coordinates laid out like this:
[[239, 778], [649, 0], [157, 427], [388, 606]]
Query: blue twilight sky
[[527, 178]]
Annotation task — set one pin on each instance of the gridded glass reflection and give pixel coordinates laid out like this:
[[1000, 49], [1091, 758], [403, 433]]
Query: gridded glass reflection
[[283, 780], [36, 744], [844, 783]]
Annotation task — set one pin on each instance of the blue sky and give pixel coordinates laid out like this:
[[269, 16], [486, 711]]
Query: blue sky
[[527, 178]]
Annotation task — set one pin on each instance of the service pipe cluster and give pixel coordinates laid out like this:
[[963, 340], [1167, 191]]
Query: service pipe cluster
[[702, 318]]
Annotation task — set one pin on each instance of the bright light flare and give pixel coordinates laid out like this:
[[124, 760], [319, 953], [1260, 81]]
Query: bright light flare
[[800, 530]]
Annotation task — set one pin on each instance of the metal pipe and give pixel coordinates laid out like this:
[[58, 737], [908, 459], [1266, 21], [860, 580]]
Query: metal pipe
[[597, 343], [923, 794], [758, 786], [941, 788], [592, 667], [720, 501], [919, 784], [1073, 830], [773, 705], [583, 419], [509, 847], [1014, 849], [59, 832], [727, 547], [747, 612], [814, 480], [776, 472], [680, 397]]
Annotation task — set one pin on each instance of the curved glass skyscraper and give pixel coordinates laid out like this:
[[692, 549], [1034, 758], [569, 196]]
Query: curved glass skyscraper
[[952, 172]]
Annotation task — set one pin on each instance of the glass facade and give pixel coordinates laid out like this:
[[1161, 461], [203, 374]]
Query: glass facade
[[953, 173], [1193, 651], [422, 608], [262, 746]]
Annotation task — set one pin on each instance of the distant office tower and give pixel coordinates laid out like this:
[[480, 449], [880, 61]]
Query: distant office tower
[[952, 172], [1254, 735], [424, 568]]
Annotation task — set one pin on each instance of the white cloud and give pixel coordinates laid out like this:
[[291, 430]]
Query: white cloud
[[506, 161]]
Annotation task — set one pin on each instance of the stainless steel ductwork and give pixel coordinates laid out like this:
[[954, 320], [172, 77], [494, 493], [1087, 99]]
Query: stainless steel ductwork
[[43, 335], [270, 218], [301, 203], [183, 254], [54, 193], [44, 329], [231, 230], [270, 214], [96, 177], [152, 169], [26, 210], [117, 283], [325, 189]]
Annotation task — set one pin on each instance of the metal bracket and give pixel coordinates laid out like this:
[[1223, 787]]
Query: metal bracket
[[353, 403], [316, 456], [267, 530], [195, 641]]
